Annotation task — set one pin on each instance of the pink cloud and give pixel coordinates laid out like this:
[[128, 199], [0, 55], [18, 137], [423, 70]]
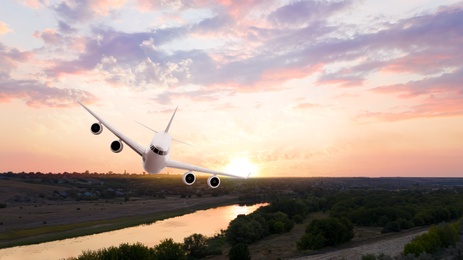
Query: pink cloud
[[305, 105], [35, 4], [49, 36], [431, 107], [446, 83], [37, 95], [10, 58], [84, 10], [443, 96]]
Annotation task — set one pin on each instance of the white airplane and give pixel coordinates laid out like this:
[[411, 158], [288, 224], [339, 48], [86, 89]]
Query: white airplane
[[157, 155]]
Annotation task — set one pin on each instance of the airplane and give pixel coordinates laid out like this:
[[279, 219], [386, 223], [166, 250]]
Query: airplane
[[157, 155]]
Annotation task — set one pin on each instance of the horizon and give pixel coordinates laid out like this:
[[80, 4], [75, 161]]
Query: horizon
[[309, 88], [205, 175]]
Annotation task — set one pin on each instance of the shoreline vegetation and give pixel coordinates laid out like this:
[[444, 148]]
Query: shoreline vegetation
[[298, 222]]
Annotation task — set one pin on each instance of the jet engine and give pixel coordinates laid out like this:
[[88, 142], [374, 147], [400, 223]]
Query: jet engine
[[213, 182], [96, 128], [116, 146], [189, 178]]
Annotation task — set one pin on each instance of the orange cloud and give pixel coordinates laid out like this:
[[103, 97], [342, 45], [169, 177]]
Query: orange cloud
[[31, 3], [103, 7], [4, 28]]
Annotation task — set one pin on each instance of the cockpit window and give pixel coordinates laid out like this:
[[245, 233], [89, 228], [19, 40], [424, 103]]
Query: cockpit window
[[157, 151]]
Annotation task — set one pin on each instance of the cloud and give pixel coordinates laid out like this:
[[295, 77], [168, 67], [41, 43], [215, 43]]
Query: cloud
[[33, 92], [129, 49], [85, 10], [440, 96], [425, 44], [306, 105], [4, 29], [38, 95], [35, 4], [197, 95], [304, 12], [49, 36], [264, 46], [212, 24], [450, 83], [431, 108], [9, 59]]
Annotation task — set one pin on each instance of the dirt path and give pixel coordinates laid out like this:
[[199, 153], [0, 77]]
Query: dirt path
[[391, 246]]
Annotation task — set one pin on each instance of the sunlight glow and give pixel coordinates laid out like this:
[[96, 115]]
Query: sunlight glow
[[241, 166]]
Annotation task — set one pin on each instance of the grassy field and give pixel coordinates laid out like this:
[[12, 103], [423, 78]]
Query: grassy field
[[40, 220]]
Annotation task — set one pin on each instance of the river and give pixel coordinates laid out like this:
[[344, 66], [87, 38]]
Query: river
[[206, 222]]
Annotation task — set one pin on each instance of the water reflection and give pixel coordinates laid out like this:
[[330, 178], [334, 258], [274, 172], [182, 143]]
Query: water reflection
[[207, 222]]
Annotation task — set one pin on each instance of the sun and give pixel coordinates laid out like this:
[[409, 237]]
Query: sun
[[241, 166]]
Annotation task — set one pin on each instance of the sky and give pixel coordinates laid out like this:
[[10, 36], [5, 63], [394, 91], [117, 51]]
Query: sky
[[295, 88]]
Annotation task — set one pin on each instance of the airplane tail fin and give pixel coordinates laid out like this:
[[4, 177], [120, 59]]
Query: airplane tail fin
[[170, 122]]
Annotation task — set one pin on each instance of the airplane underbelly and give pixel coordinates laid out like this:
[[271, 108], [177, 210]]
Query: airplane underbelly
[[154, 163]]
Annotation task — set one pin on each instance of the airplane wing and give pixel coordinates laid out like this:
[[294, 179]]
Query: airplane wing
[[189, 167], [132, 144]]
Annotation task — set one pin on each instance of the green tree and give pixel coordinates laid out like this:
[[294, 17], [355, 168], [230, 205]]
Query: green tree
[[169, 250], [413, 248], [326, 232], [195, 245], [124, 251], [279, 227], [244, 229], [135, 251], [311, 241], [239, 251]]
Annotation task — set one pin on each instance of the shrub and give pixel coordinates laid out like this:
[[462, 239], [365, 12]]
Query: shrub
[[169, 250], [195, 245], [326, 232], [239, 252]]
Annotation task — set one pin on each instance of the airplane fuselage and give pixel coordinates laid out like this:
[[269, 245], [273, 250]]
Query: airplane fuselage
[[157, 153]]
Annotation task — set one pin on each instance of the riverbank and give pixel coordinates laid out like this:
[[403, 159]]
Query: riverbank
[[32, 224]]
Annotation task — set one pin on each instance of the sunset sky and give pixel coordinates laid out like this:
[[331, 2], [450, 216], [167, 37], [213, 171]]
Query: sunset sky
[[299, 88]]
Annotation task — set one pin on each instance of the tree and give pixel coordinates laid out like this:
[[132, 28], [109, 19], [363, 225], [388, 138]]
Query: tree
[[413, 248], [326, 232], [239, 251], [311, 241], [195, 245], [135, 251], [244, 229], [124, 251], [169, 250], [279, 227]]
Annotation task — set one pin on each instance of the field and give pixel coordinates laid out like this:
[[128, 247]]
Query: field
[[367, 240], [43, 220]]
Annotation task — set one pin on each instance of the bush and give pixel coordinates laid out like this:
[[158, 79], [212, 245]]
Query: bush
[[369, 257], [392, 226], [244, 229], [311, 241], [326, 232], [239, 252], [2, 205], [195, 245], [124, 251], [169, 250], [438, 237], [298, 219]]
